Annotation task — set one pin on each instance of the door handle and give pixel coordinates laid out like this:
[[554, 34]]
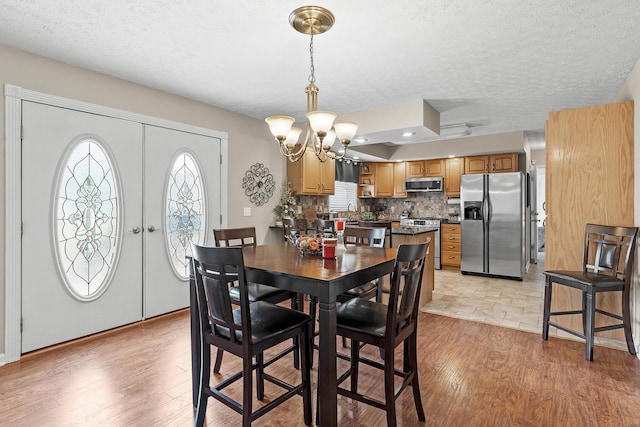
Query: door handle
[[151, 229], [136, 230]]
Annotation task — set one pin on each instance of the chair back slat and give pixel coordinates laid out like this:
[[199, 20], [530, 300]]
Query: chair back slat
[[245, 236], [609, 250], [214, 269], [406, 281], [326, 227], [294, 227], [365, 236]]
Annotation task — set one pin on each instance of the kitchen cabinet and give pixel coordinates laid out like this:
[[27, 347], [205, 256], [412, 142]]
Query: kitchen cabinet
[[476, 164], [415, 169], [454, 168], [399, 174], [494, 163], [434, 167], [422, 168], [310, 176], [450, 245], [507, 162], [367, 180], [384, 179]]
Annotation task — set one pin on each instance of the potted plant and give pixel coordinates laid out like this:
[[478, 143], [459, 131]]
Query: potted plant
[[286, 208]]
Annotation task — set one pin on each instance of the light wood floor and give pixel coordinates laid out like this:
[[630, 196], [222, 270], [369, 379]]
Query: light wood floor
[[511, 303], [471, 374]]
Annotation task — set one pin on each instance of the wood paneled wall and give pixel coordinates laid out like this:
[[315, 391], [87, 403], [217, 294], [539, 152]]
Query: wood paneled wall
[[589, 179]]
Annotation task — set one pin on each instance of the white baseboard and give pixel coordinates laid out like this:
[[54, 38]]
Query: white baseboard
[[2, 362]]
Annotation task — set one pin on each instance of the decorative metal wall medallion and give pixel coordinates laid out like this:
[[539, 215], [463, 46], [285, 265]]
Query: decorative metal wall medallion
[[258, 184], [185, 213], [87, 220]]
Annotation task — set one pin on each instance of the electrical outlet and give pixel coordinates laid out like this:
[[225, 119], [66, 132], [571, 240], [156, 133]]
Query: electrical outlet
[[247, 211]]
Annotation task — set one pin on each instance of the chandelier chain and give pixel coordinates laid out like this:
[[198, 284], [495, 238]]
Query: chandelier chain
[[312, 77]]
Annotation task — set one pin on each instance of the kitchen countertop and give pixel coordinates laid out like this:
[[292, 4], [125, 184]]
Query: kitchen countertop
[[412, 231]]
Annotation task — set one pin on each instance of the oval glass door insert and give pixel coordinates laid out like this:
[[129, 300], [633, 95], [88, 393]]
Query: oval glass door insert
[[185, 212], [87, 220]]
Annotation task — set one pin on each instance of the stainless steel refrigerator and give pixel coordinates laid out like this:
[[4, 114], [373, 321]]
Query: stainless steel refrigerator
[[493, 224]]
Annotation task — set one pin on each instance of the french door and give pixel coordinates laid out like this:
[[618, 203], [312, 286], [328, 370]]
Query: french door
[[182, 205], [109, 210]]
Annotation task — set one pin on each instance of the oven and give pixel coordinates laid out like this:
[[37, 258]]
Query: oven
[[430, 223]]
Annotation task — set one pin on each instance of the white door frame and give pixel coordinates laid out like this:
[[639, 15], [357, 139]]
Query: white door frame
[[14, 95]]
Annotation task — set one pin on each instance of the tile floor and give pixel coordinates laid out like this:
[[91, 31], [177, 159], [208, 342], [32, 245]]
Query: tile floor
[[508, 303]]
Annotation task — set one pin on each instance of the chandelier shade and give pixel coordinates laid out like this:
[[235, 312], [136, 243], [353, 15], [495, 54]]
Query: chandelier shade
[[292, 137], [280, 126], [321, 126]]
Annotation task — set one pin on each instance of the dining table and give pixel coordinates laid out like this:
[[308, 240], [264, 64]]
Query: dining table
[[284, 266]]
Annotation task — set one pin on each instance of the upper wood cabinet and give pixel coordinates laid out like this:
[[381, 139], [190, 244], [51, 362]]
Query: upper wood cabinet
[[310, 176], [454, 168], [434, 167], [414, 169], [494, 163], [506, 162], [384, 180], [399, 174], [476, 164]]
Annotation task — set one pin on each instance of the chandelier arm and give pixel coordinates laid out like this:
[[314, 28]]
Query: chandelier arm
[[293, 156]]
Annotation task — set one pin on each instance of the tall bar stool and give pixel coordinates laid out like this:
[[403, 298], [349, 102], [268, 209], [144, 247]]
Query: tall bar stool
[[386, 326], [247, 332], [244, 237], [607, 265]]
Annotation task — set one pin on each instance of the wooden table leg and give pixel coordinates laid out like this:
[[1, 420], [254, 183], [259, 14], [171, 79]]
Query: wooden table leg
[[327, 369]]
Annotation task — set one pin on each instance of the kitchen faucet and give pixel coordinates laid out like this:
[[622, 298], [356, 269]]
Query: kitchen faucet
[[349, 210]]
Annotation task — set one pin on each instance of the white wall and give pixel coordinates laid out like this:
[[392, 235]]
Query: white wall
[[630, 90], [249, 139], [539, 157]]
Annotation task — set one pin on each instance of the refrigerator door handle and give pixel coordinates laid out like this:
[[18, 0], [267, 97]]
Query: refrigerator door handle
[[485, 223]]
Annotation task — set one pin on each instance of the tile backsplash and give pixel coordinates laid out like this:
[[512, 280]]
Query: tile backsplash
[[421, 205]]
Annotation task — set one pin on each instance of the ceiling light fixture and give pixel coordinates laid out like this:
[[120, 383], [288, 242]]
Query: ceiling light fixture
[[321, 128]]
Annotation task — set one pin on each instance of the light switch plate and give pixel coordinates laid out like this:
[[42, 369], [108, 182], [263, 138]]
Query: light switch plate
[[247, 211]]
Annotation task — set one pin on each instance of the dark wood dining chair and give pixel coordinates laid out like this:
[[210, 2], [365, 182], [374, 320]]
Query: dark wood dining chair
[[243, 237], [385, 224], [293, 227], [288, 228], [386, 326], [607, 265], [326, 227], [361, 236], [366, 236], [247, 332]]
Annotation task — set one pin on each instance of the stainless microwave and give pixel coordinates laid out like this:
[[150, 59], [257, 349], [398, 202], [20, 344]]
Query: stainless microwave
[[423, 184]]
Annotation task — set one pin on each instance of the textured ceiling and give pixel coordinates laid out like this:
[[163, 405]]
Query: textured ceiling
[[496, 65]]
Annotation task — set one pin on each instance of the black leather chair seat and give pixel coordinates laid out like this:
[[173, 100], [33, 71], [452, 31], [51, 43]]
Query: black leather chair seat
[[361, 315], [256, 292], [586, 279], [267, 321], [362, 289]]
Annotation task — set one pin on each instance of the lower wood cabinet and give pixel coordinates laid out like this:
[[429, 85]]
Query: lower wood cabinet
[[450, 245]]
